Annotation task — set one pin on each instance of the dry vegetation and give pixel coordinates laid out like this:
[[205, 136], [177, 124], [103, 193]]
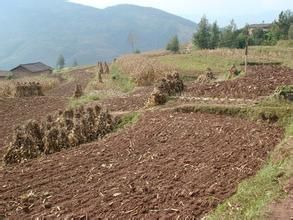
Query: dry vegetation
[[8, 87], [143, 70], [61, 131]]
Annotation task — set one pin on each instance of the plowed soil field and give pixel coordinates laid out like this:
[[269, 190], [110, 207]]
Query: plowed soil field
[[168, 165], [15, 111], [259, 81]]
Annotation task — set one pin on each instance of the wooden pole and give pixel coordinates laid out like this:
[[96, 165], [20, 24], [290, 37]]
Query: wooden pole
[[246, 53]]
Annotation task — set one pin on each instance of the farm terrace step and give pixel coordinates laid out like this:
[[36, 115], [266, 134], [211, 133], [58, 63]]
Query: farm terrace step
[[167, 165], [259, 81]]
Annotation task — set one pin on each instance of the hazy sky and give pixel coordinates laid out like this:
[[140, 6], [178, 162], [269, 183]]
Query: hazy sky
[[247, 11]]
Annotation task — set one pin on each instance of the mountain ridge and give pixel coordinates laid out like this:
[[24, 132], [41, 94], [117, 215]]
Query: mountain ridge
[[41, 30]]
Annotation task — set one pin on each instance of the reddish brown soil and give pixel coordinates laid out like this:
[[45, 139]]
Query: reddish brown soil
[[132, 102], [14, 111], [82, 77], [169, 165], [260, 81]]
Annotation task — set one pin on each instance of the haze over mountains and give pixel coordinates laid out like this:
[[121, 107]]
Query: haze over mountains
[[34, 30]]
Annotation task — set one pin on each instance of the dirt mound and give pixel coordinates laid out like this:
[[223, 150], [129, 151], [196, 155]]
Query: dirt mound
[[259, 81], [207, 77], [28, 89], [64, 130], [169, 86], [168, 165]]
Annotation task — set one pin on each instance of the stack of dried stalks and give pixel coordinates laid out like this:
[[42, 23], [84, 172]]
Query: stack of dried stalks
[[63, 130], [207, 77], [168, 86], [78, 91], [8, 87], [28, 89]]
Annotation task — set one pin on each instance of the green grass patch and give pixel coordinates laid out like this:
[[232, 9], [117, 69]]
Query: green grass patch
[[271, 109], [121, 80], [127, 120], [198, 61], [220, 60], [189, 78], [76, 102]]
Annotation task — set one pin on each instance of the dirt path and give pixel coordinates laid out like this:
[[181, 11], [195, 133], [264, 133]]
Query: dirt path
[[282, 210], [81, 76], [168, 165]]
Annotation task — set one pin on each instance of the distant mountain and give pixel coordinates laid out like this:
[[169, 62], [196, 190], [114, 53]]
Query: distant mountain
[[40, 30]]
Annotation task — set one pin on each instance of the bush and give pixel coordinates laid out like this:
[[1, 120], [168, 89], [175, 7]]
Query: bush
[[173, 45]]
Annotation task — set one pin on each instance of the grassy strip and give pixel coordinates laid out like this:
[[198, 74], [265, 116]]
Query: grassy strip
[[221, 60], [120, 80], [76, 102], [254, 194], [127, 120], [198, 62], [281, 114], [68, 69]]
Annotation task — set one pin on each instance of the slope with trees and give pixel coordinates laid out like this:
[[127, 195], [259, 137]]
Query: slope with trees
[[211, 36]]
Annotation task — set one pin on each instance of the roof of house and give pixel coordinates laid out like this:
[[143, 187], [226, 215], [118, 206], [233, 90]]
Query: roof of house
[[4, 73], [34, 67], [263, 25]]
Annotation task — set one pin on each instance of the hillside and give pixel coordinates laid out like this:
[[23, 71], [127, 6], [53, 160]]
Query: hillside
[[41, 30]]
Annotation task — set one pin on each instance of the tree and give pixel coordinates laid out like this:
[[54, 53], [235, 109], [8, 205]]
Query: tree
[[173, 45], [137, 51], [215, 36], [284, 22], [229, 36], [202, 37], [258, 36], [290, 32], [60, 62], [75, 63], [241, 40]]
